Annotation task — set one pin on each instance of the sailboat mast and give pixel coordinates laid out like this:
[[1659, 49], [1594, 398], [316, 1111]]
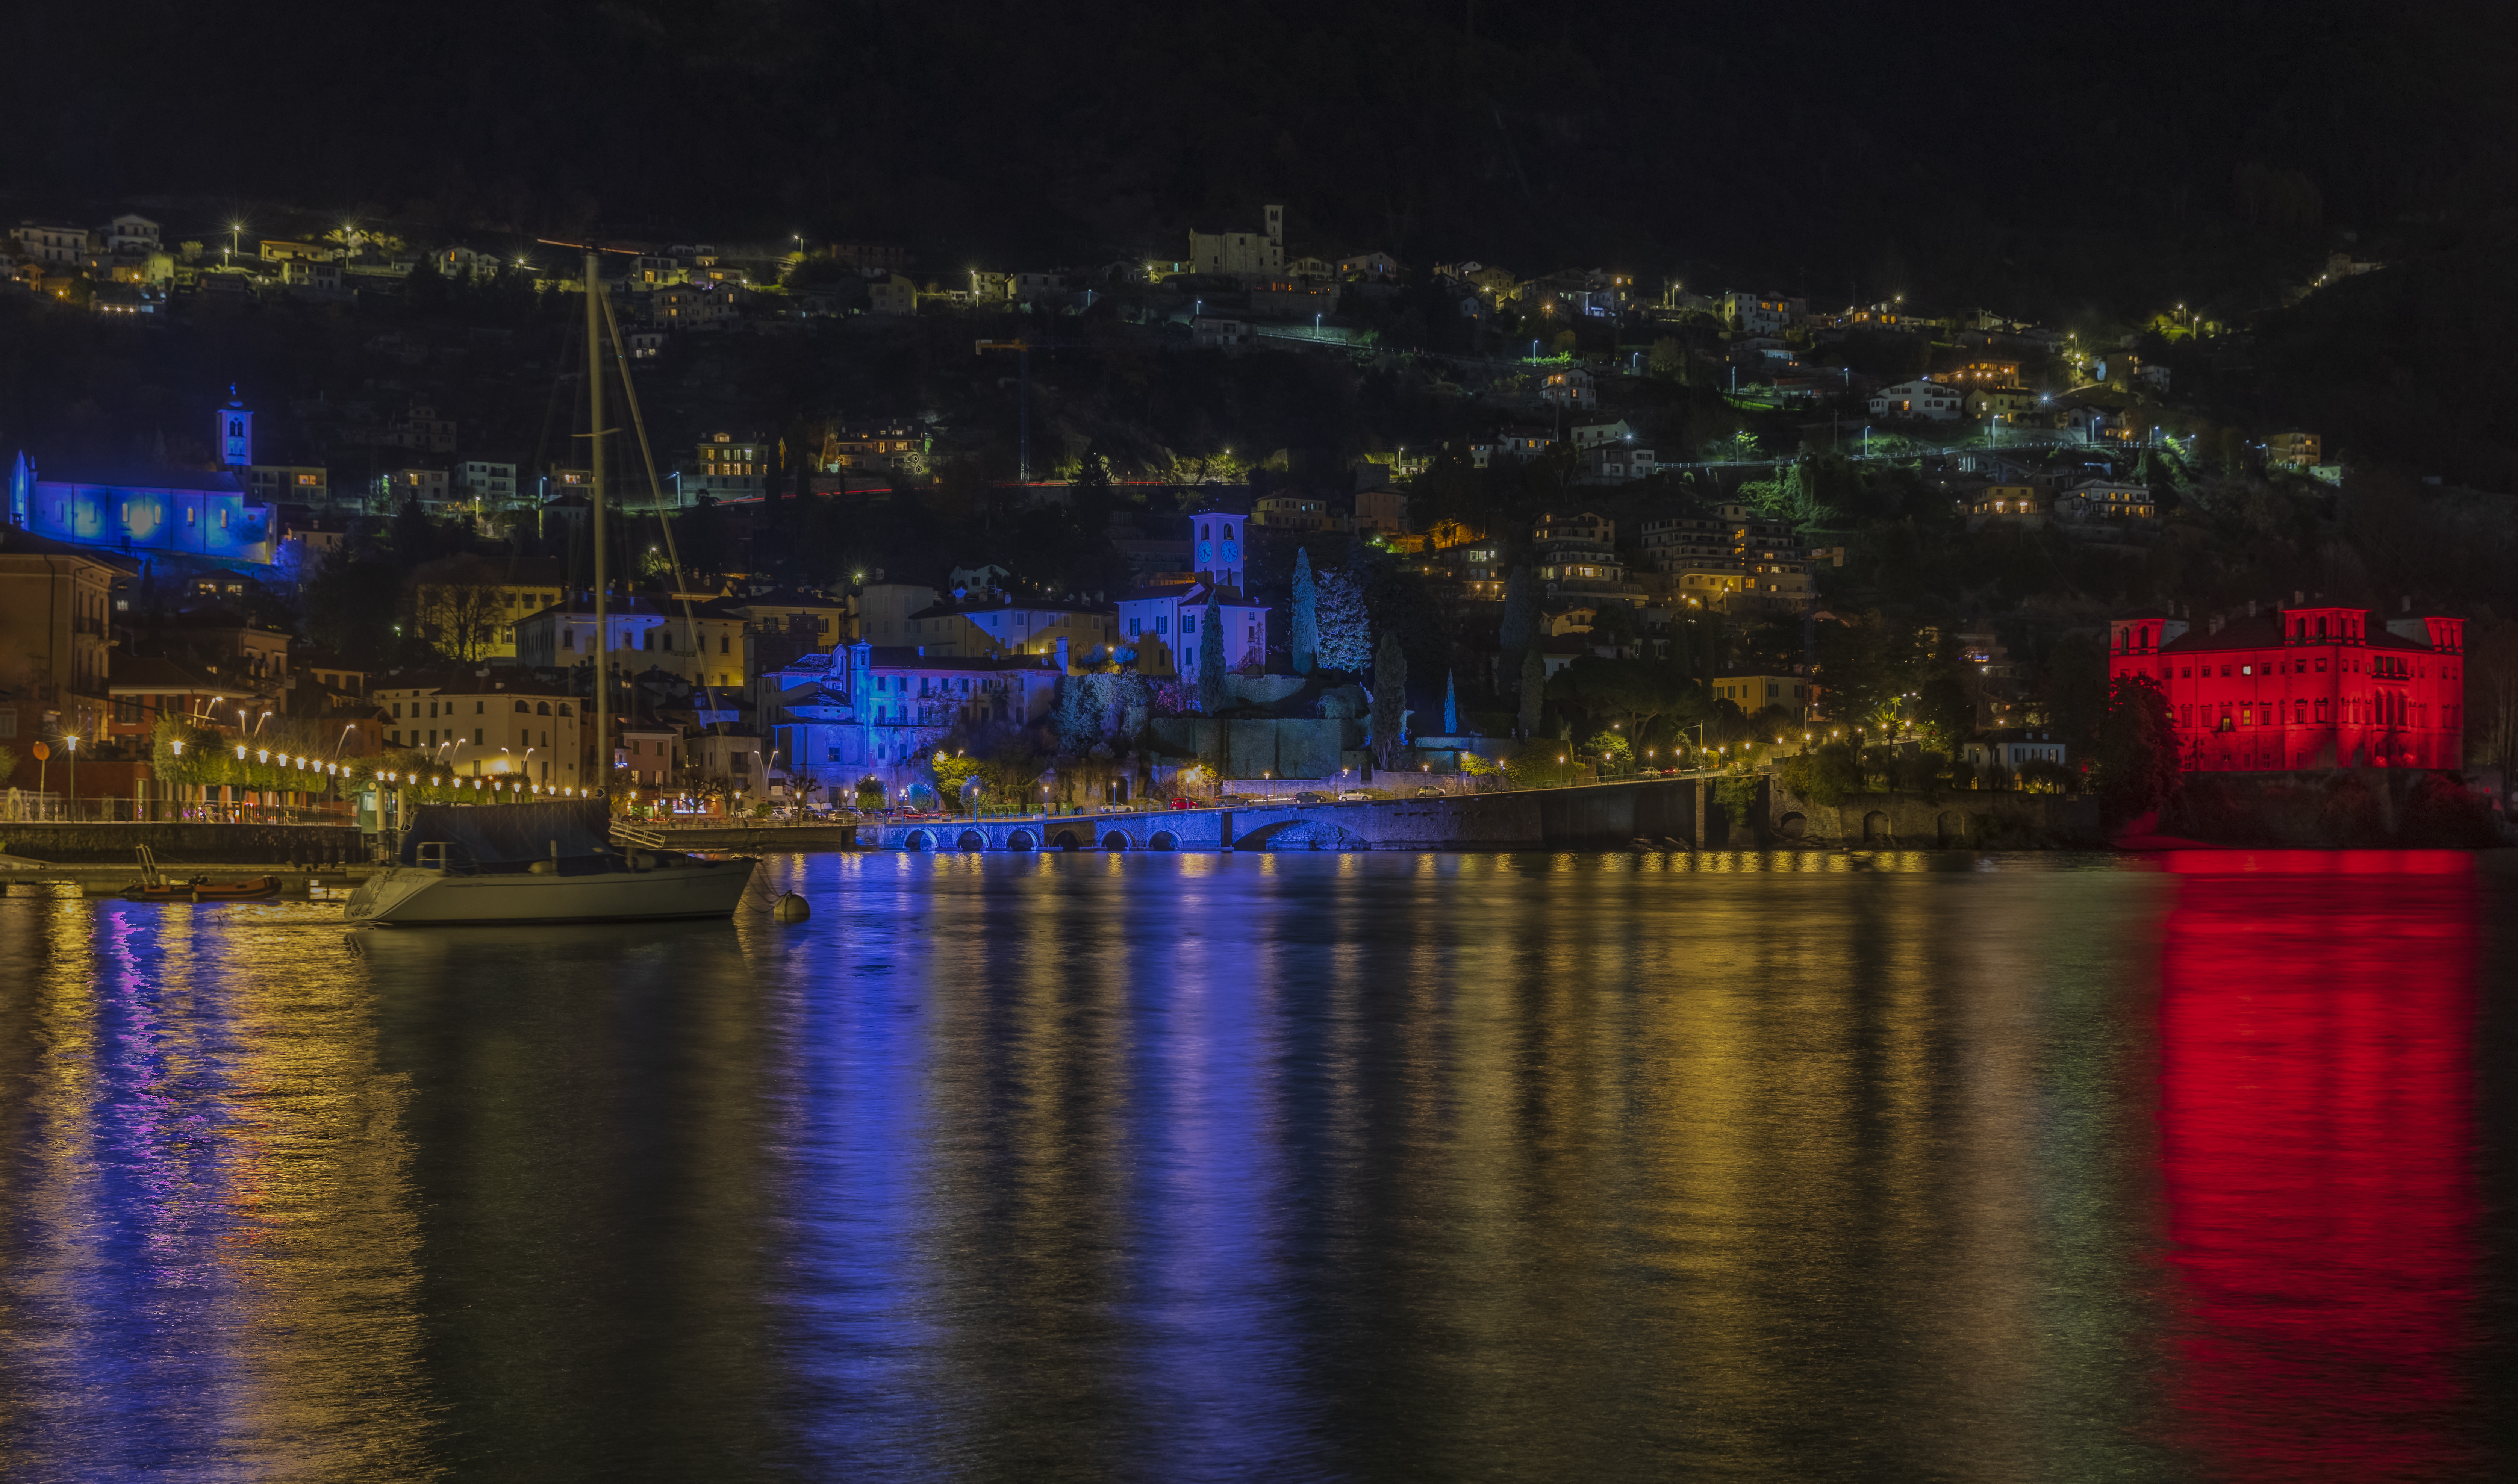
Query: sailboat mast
[[602, 779]]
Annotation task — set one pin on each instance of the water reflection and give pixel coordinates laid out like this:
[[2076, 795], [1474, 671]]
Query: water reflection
[[2317, 1120], [1195, 1166]]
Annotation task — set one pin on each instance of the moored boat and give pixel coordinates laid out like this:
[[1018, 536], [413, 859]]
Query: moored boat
[[521, 863], [154, 884]]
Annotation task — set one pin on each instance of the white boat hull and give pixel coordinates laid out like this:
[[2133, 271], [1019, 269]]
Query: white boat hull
[[418, 896]]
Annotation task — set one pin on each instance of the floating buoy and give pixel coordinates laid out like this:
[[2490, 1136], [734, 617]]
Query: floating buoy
[[790, 907]]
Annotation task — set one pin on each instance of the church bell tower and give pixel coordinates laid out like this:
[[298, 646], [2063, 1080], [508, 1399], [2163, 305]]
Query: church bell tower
[[236, 433]]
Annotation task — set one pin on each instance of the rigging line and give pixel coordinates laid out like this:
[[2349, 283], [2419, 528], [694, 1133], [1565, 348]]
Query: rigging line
[[656, 498]]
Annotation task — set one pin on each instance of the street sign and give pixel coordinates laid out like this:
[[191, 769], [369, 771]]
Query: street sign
[[40, 751]]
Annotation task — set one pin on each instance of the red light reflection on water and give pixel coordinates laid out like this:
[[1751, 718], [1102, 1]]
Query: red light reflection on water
[[2317, 1014]]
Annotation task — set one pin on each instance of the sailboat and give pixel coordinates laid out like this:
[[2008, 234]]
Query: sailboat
[[517, 863], [557, 861]]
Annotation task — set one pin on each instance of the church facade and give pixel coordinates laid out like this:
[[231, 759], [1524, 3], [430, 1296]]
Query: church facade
[[150, 510]]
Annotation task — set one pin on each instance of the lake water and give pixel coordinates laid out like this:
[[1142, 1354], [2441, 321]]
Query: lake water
[[1307, 1166]]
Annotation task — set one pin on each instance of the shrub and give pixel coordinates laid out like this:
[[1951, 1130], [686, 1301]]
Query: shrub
[[2039, 776], [1827, 775]]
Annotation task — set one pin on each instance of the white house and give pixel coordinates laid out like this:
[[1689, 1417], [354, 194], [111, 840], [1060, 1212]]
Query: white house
[[1574, 387], [1616, 463], [892, 295], [1161, 624], [1591, 434], [2009, 748], [1924, 398], [1222, 335], [132, 232]]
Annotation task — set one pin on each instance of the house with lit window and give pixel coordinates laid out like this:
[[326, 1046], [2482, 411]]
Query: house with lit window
[[147, 689], [2107, 499], [645, 754], [704, 646], [1929, 400], [2305, 686], [1572, 388], [1753, 693], [1160, 623], [726, 467], [505, 724]]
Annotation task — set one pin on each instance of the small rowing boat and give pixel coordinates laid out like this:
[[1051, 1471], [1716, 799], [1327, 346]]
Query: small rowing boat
[[154, 884]]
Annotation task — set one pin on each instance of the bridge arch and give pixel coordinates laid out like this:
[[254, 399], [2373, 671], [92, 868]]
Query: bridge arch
[[972, 840], [1114, 841], [918, 840], [1064, 840], [1301, 835], [1874, 829], [1019, 840], [1163, 839]]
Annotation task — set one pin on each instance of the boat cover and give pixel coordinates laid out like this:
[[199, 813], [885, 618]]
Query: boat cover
[[504, 834]]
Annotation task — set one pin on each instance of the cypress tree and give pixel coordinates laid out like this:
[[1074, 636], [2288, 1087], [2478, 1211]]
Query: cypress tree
[[1211, 692], [1389, 697], [1533, 684], [1307, 614], [1451, 706], [1520, 616]]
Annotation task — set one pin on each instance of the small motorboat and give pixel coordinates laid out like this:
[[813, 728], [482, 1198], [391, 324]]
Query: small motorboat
[[154, 884]]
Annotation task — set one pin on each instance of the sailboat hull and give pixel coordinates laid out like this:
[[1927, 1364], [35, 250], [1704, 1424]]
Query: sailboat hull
[[411, 897]]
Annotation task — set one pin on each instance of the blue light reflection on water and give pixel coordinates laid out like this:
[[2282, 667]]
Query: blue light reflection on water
[[1162, 1167]]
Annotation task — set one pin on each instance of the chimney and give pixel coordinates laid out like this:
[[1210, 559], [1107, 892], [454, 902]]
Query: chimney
[[2408, 602], [2299, 597], [2251, 607]]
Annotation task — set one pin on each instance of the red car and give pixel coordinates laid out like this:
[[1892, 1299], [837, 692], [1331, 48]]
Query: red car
[[1180, 803]]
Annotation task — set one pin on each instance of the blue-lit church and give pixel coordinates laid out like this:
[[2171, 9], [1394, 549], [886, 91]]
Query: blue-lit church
[[144, 509]]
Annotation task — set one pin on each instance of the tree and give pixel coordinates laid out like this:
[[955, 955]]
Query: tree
[[1212, 669], [1307, 615], [1825, 775], [1076, 716], [1636, 692], [2134, 762], [350, 605], [1345, 634], [1451, 706], [1389, 698], [1520, 616], [1534, 690], [458, 604], [1944, 711]]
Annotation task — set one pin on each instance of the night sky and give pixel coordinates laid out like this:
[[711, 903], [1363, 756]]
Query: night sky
[[2039, 156]]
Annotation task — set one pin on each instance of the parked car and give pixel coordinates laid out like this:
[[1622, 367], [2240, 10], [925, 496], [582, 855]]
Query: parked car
[[1353, 793], [1310, 796], [1180, 803], [1237, 800], [1429, 791]]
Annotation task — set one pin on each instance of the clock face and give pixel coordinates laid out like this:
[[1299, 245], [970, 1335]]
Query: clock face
[[1206, 550], [1231, 550]]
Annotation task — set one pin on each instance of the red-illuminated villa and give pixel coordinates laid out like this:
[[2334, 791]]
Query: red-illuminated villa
[[2305, 688]]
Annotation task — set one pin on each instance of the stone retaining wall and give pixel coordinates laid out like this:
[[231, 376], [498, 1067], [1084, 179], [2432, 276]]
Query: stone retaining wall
[[228, 844], [1968, 820]]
